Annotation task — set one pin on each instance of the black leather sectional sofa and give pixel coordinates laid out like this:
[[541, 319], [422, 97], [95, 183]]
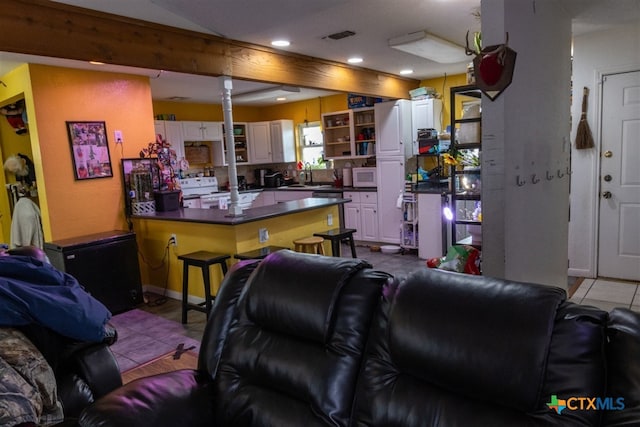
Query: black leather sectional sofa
[[307, 340]]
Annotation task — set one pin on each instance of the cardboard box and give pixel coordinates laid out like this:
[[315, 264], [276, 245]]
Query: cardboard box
[[356, 101]]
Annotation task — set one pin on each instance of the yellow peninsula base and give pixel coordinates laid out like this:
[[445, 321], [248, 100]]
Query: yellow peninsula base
[[212, 230]]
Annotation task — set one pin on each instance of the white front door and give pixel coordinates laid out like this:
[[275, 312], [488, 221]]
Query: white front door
[[619, 236]]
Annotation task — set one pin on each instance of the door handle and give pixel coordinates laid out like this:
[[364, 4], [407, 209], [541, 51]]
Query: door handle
[[606, 195], [607, 178], [608, 154]]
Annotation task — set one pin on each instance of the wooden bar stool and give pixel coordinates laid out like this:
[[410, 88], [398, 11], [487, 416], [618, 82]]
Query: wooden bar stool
[[311, 244], [258, 253], [204, 260], [337, 236]]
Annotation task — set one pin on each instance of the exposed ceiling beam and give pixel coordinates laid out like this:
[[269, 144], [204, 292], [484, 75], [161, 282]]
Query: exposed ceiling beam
[[53, 29]]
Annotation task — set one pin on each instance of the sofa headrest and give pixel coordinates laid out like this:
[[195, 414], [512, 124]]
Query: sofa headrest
[[465, 334], [294, 293]]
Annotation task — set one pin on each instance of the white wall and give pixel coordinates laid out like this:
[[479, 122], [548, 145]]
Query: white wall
[[594, 54], [526, 132]]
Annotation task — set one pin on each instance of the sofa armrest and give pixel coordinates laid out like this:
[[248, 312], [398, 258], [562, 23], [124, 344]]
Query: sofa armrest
[[175, 398], [87, 373]]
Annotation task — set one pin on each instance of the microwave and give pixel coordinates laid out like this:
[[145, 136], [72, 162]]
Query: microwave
[[364, 177]]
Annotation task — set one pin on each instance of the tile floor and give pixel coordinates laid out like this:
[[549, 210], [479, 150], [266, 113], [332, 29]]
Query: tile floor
[[608, 294], [605, 294]]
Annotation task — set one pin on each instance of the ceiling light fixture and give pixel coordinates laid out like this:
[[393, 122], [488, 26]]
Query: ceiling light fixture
[[280, 43], [266, 93], [405, 72], [428, 46], [354, 60], [96, 63]]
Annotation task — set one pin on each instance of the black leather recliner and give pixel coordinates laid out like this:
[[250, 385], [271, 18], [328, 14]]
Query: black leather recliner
[[285, 346], [282, 347]]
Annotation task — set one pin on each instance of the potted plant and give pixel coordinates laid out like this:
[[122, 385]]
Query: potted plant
[[168, 198]]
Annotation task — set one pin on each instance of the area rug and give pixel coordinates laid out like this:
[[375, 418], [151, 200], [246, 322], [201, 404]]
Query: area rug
[[144, 337], [167, 363]]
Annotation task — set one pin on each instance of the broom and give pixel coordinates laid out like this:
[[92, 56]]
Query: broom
[[584, 139]]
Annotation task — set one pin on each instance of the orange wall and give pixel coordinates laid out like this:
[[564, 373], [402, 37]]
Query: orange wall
[[123, 102]]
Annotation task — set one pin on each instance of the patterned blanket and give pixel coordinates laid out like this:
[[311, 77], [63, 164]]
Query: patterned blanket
[[27, 384]]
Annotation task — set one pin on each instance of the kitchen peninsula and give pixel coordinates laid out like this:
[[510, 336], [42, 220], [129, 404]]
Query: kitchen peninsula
[[213, 230]]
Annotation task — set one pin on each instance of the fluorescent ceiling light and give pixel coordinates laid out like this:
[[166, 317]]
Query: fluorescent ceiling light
[[266, 93], [406, 72], [428, 46], [354, 60]]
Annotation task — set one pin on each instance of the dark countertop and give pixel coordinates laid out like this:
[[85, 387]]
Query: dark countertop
[[322, 188], [218, 216]]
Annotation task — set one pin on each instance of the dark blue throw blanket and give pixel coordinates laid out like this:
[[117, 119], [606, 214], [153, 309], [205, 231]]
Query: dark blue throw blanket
[[35, 292]]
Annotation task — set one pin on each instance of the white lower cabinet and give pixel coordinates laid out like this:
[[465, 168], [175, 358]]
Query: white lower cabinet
[[362, 214]]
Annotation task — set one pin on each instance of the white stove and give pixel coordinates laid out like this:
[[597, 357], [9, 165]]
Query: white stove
[[198, 186], [203, 193]]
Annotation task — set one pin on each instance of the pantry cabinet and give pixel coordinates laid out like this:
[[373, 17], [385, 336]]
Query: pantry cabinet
[[361, 214], [391, 178], [201, 131], [171, 131], [393, 128]]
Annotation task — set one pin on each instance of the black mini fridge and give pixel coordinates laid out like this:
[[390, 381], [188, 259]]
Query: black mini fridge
[[105, 264]]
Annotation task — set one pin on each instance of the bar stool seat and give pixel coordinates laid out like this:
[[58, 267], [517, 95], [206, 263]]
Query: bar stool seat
[[258, 253], [311, 244], [337, 236], [204, 260]]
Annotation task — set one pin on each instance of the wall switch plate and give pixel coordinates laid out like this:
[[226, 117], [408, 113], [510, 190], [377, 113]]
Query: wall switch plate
[[263, 235], [118, 136], [329, 219]]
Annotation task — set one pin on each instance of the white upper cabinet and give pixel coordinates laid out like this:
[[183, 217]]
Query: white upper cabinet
[[283, 145], [393, 128], [202, 131], [259, 143], [425, 114], [271, 142], [171, 131]]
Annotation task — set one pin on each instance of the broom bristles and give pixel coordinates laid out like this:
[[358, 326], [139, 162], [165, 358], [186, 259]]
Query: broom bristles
[[584, 138]]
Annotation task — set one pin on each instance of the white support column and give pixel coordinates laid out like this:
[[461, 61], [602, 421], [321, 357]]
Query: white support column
[[225, 86]]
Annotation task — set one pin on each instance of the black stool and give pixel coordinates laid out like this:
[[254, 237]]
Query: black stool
[[259, 253], [202, 259], [337, 236]]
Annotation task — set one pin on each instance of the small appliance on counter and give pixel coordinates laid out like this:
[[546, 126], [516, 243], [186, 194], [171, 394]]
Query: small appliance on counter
[[274, 180], [347, 177], [260, 174]]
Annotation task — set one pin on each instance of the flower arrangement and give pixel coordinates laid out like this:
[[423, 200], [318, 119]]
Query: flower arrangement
[[167, 160], [456, 157]]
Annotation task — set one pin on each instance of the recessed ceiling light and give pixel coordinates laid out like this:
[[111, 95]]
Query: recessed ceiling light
[[405, 72], [354, 60], [280, 43], [281, 98], [96, 62]]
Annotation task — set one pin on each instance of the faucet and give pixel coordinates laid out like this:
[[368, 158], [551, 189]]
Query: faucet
[[309, 174]]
